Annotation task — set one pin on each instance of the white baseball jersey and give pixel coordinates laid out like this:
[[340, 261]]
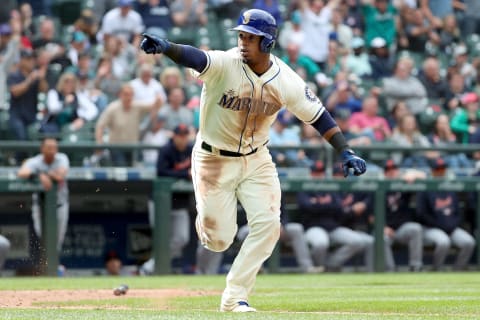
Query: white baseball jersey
[[238, 107]]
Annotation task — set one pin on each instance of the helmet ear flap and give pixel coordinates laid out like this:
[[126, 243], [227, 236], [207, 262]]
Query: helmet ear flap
[[266, 45]]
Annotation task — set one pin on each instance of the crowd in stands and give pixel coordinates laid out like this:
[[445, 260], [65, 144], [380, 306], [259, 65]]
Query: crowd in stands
[[399, 72]]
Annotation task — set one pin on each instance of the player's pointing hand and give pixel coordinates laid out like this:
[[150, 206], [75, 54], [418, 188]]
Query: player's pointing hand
[[351, 160], [152, 44]]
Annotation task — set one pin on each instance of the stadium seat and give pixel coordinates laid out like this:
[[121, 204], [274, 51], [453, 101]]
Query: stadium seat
[[67, 11]]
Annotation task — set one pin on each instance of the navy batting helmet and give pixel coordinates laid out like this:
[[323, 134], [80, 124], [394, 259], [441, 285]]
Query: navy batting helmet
[[260, 23]]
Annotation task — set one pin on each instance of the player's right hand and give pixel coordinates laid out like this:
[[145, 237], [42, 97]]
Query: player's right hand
[[151, 44]]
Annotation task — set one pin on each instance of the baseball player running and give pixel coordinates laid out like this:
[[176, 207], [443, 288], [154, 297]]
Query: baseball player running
[[243, 90]]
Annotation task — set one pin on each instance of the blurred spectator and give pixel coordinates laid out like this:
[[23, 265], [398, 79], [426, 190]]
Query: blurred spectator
[[462, 64], [122, 55], [26, 15], [171, 78], [156, 15], [175, 110], [88, 24], [441, 136], [471, 23], [380, 20], [419, 32], [368, 122], [323, 216], [78, 45], [408, 135], [399, 110], [449, 34], [145, 87], [174, 160], [47, 37], [295, 60], [343, 97], [439, 212], [189, 13], [85, 87], [123, 22], [122, 119], [466, 121], [158, 136], [456, 89], [342, 118], [352, 16], [357, 61], [284, 133], [100, 7], [292, 31], [436, 10], [399, 220], [10, 45], [403, 86], [4, 249], [49, 167], [105, 80], [84, 66], [433, 82], [272, 7], [381, 61], [315, 17], [342, 32], [24, 85], [113, 264], [67, 106]]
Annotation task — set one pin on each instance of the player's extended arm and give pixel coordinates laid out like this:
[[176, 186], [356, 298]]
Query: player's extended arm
[[184, 55], [332, 133]]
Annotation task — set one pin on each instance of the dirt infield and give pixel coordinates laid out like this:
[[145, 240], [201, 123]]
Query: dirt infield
[[36, 298]]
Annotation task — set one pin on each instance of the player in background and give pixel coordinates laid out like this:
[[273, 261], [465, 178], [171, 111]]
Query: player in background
[[244, 88], [50, 166]]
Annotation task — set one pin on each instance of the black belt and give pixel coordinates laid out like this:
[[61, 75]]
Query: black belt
[[226, 153]]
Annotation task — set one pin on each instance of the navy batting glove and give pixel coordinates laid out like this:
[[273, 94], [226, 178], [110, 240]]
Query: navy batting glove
[[351, 160], [151, 44]]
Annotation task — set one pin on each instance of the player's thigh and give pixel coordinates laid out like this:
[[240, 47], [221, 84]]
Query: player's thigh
[[436, 237], [346, 236], [317, 237], [461, 238], [259, 193]]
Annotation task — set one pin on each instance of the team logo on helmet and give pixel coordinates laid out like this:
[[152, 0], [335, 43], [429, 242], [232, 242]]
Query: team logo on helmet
[[246, 17]]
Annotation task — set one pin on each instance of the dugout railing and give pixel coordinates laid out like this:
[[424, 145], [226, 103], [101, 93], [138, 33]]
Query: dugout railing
[[163, 187]]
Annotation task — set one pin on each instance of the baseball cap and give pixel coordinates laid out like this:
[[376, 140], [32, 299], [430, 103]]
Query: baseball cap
[[296, 18], [283, 118], [469, 98], [78, 36], [390, 164], [124, 3], [438, 164], [342, 114], [5, 29], [357, 42], [181, 129], [27, 53], [378, 42]]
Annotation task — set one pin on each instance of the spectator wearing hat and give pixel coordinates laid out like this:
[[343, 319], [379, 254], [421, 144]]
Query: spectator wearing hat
[[357, 61], [156, 16], [113, 264], [466, 121], [439, 213], [122, 119], [174, 160], [433, 82], [323, 216], [122, 22], [10, 44], [400, 226], [292, 31], [381, 61], [78, 45], [404, 86], [24, 86], [368, 122]]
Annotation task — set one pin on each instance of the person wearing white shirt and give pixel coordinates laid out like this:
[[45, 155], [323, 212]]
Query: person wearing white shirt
[[145, 87], [124, 22]]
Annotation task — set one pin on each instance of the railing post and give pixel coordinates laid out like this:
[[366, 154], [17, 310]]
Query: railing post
[[50, 232], [162, 199], [379, 225]]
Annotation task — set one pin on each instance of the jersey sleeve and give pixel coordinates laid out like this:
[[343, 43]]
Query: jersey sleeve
[[301, 101], [33, 164], [216, 66]]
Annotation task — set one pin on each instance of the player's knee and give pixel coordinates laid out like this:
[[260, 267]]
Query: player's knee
[[218, 245], [442, 243]]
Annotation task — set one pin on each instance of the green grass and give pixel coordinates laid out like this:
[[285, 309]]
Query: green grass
[[326, 296]]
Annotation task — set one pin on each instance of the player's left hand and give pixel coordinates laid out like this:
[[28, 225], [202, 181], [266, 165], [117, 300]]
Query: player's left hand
[[151, 44], [351, 160]]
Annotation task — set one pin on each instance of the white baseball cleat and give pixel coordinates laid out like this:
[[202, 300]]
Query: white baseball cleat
[[241, 306]]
